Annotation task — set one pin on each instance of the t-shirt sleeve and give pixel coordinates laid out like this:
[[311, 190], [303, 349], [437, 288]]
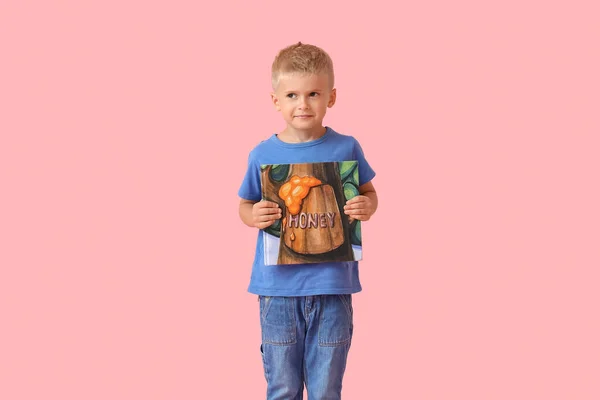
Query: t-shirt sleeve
[[250, 187], [365, 172]]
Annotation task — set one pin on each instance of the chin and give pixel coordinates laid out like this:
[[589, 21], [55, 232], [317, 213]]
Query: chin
[[305, 126]]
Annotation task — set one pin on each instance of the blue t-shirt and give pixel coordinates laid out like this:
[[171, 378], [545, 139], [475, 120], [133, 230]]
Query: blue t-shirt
[[302, 279]]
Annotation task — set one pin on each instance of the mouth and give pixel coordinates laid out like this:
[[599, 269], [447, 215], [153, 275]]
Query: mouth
[[303, 116]]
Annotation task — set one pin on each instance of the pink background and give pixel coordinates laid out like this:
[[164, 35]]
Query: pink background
[[125, 129]]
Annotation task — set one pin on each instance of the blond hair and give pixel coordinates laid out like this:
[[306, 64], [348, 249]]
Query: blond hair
[[301, 58]]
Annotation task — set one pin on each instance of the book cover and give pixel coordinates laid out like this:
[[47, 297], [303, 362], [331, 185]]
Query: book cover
[[313, 227]]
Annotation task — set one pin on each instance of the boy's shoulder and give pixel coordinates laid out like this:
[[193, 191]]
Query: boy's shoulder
[[264, 146], [343, 136], [343, 140]]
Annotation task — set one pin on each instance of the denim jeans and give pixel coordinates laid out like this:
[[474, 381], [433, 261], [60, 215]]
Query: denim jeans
[[305, 341]]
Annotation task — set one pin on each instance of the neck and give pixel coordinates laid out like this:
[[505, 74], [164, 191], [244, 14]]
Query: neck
[[290, 135]]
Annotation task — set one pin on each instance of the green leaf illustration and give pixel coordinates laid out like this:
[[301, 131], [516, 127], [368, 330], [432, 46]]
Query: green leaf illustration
[[279, 172], [355, 177], [346, 168], [350, 190]]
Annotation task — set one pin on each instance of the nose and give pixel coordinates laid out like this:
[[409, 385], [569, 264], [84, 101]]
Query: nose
[[302, 104]]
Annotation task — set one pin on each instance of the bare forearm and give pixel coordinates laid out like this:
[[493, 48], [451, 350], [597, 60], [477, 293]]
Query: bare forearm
[[372, 195], [246, 213]]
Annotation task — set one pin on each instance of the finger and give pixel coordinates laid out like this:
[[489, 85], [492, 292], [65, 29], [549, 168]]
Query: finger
[[267, 218], [263, 225], [360, 215], [357, 199], [355, 206], [270, 210], [267, 203], [358, 211]]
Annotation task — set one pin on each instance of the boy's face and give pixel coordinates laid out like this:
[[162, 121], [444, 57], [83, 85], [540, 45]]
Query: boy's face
[[303, 100]]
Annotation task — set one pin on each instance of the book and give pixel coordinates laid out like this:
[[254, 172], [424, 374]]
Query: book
[[313, 227]]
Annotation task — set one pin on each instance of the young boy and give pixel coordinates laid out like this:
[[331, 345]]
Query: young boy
[[306, 311]]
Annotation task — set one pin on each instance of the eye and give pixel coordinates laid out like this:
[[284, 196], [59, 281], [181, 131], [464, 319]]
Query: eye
[[291, 95], [314, 94]]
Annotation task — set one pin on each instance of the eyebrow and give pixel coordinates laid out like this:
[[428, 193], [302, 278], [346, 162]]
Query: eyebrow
[[310, 91]]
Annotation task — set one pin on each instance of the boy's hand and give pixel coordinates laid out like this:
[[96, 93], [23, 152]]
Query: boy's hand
[[359, 207], [265, 213]]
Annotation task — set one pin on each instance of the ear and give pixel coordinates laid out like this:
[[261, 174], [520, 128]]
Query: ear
[[275, 101], [332, 97]]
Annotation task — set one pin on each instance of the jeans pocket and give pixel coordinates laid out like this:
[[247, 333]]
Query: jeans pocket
[[336, 322], [264, 362], [277, 320]]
